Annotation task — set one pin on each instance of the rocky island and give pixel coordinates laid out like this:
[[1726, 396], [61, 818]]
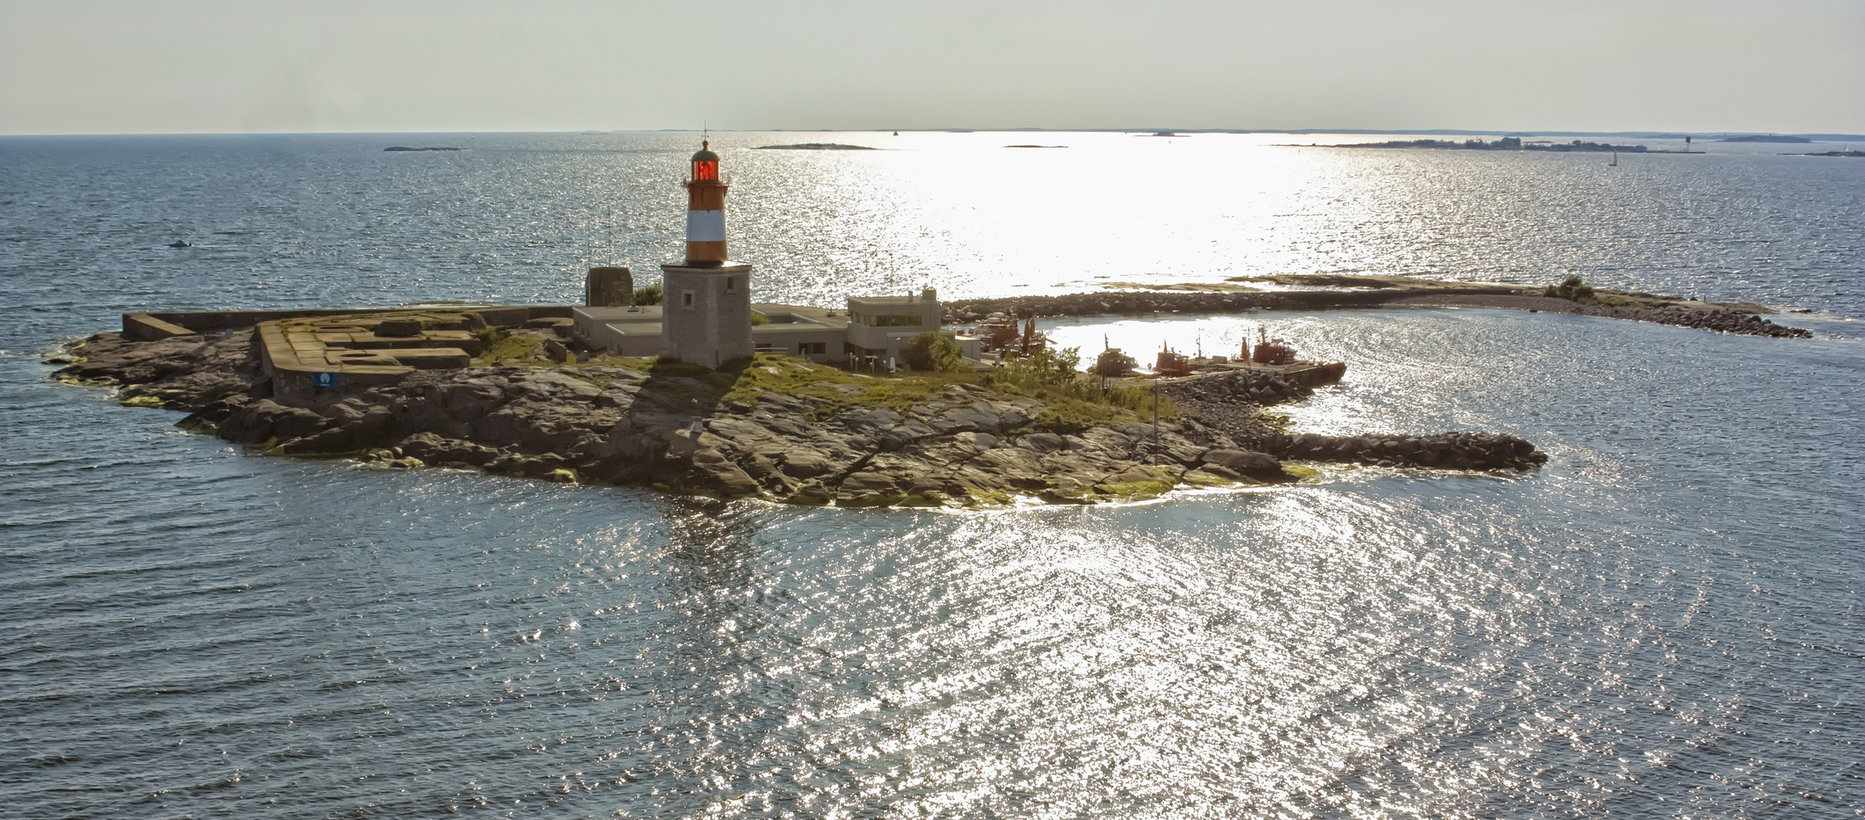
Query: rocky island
[[510, 391], [526, 402]]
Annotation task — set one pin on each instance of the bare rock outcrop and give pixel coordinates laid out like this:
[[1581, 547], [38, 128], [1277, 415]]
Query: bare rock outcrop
[[840, 439]]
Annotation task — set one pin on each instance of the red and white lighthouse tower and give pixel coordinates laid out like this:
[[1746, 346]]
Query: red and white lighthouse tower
[[705, 210], [706, 307]]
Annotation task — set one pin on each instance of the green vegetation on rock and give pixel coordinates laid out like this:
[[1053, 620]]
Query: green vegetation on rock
[[1053, 377], [787, 375], [935, 352], [508, 350], [1571, 289]]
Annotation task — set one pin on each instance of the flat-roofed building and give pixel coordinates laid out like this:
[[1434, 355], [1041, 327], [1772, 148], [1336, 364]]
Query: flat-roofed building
[[881, 326], [870, 332]]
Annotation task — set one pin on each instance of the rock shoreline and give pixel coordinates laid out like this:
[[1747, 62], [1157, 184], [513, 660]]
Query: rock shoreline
[[774, 428]]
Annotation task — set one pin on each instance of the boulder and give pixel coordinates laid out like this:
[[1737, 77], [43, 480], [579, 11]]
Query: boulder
[[713, 472], [1260, 466], [868, 488], [971, 418], [438, 450], [802, 463], [1040, 442], [265, 419], [526, 465]]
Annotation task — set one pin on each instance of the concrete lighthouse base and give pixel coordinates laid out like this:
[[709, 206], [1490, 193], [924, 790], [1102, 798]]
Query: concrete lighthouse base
[[706, 313]]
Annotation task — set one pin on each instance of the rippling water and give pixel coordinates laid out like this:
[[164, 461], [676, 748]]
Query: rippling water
[[1663, 621]]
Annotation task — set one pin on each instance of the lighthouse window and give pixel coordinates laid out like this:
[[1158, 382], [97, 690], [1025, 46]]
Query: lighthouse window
[[731, 285], [705, 170], [686, 298]]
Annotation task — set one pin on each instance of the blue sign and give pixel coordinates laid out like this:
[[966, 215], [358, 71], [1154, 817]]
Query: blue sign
[[323, 378]]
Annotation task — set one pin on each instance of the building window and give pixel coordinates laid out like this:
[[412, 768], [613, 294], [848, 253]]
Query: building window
[[812, 348], [686, 299]]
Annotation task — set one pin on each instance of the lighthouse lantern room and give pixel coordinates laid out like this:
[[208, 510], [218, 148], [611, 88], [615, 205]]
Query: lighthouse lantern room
[[705, 210]]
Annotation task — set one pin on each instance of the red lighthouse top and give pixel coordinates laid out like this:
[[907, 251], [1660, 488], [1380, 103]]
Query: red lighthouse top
[[705, 163]]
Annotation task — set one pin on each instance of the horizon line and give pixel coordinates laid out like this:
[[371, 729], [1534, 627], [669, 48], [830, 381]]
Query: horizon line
[[1652, 133]]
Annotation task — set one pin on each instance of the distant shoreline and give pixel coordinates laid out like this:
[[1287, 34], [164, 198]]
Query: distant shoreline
[[1700, 136], [815, 146], [1508, 144]]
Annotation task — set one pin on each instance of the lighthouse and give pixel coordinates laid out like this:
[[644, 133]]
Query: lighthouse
[[706, 308]]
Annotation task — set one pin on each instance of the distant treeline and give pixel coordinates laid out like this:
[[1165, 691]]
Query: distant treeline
[[1504, 144]]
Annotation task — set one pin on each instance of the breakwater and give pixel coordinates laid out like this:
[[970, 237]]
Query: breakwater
[[1229, 401], [1742, 319]]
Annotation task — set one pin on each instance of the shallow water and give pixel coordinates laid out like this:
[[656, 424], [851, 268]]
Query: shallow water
[[1663, 621]]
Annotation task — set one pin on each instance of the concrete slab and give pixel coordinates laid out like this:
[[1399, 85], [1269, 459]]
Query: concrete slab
[[432, 358]]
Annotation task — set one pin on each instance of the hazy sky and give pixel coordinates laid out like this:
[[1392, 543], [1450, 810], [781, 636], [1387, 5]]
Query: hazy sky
[[107, 66]]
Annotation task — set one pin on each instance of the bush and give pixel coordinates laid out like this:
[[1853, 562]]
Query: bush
[[934, 352], [1052, 377], [1043, 368], [650, 295], [1571, 289]]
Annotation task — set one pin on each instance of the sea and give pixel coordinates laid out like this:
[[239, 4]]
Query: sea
[[1663, 621]]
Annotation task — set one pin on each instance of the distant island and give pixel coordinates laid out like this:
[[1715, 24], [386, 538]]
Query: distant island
[[1846, 153], [423, 148], [816, 146], [1504, 144], [1764, 138]]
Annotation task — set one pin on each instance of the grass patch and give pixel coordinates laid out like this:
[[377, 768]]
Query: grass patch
[[1074, 403], [510, 350], [786, 375]]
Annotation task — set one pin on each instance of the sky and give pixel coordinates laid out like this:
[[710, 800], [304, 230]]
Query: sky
[[400, 66]]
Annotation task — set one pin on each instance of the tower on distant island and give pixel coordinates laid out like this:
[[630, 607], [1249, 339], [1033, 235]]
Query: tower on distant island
[[706, 300]]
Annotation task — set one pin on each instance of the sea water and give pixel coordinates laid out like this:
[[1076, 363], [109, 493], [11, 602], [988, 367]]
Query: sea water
[[1662, 621]]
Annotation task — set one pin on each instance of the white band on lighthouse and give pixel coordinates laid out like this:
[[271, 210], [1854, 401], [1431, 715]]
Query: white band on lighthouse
[[705, 226]]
